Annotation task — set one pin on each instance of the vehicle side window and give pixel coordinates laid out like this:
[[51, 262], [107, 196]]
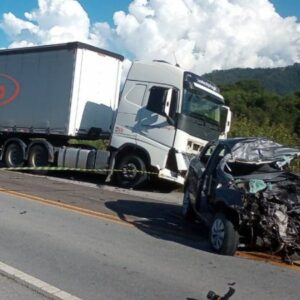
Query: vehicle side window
[[136, 94], [204, 157], [219, 154], [157, 100]]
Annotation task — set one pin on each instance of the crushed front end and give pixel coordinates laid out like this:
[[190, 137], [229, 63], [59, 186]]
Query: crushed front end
[[270, 215], [269, 210]]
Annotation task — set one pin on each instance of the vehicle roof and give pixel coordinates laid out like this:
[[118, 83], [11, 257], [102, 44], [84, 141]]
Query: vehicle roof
[[230, 142], [259, 150], [55, 47], [156, 71]]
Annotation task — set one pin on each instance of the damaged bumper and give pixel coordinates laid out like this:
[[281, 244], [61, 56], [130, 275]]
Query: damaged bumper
[[270, 215]]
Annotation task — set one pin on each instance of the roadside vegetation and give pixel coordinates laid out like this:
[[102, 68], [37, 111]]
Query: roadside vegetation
[[282, 81], [98, 144], [258, 112]]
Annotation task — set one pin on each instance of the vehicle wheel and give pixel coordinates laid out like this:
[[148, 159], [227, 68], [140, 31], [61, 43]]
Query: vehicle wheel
[[38, 157], [131, 172], [223, 236], [14, 156], [295, 256], [186, 209]]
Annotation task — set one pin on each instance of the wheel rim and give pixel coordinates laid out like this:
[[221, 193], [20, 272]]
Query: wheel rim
[[38, 158], [217, 234], [130, 171], [14, 157]]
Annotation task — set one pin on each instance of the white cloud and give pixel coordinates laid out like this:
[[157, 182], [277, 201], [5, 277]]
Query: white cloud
[[14, 26], [53, 21], [202, 34], [211, 34]]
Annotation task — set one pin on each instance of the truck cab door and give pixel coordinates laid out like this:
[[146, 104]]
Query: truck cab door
[[155, 121]]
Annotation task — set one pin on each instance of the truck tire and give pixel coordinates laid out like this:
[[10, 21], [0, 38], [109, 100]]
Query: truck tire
[[223, 236], [14, 157], [131, 172], [38, 157]]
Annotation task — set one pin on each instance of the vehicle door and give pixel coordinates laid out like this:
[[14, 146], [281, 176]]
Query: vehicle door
[[155, 122], [208, 178], [197, 170]]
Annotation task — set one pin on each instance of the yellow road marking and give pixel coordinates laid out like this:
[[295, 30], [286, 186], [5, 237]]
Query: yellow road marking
[[257, 256], [68, 207], [268, 258]]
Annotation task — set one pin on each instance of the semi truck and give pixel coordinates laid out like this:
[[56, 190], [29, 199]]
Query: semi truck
[[52, 94]]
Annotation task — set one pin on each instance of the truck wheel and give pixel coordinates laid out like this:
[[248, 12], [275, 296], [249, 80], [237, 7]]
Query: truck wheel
[[186, 209], [223, 236], [14, 156], [38, 157], [130, 172]]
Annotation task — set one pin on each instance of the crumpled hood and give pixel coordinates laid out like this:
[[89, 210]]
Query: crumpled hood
[[260, 150]]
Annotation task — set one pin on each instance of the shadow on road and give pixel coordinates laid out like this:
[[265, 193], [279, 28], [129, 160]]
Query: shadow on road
[[162, 221], [100, 180]]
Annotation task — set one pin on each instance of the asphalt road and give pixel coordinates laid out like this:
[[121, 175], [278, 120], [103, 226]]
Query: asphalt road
[[131, 248], [11, 290]]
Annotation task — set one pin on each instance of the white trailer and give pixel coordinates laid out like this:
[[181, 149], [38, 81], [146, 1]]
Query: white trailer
[[50, 94], [65, 90]]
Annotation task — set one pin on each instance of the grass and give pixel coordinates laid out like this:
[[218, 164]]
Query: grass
[[98, 144]]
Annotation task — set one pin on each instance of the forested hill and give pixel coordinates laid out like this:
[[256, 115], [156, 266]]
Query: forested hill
[[257, 111], [282, 81]]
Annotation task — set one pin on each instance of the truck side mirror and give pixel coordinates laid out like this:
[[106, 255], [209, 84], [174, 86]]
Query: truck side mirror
[[225, 119]]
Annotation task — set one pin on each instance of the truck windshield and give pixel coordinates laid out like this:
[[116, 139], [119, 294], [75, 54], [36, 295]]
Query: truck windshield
[[202, 106]]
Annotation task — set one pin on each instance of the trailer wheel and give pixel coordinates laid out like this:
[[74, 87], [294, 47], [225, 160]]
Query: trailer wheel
[[14, 157], [131, 172], [38, 157]]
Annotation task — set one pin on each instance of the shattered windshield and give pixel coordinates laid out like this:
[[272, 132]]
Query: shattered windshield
[[202, 106]]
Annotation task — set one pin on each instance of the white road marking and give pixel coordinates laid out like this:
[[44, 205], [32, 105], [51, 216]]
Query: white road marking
[[35, 284]]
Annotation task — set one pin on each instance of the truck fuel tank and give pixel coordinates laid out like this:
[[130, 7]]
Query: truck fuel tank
[[83, 159]]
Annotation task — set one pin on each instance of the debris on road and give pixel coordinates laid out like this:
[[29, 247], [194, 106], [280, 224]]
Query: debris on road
[[213, 296]]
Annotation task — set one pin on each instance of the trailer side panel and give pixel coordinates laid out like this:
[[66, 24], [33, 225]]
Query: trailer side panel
[[43, 81], [95, 93]]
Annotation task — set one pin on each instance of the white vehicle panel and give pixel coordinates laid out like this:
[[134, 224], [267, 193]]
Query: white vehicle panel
[[95, 92], [187, 143]]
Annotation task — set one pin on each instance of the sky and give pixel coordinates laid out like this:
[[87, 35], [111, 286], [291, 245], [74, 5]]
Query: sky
[[201, 35]]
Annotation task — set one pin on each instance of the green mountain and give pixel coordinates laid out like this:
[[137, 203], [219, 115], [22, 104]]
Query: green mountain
[[282, 81], [264, 102]]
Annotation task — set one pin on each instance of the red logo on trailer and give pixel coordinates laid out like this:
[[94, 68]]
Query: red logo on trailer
[[9, 89]]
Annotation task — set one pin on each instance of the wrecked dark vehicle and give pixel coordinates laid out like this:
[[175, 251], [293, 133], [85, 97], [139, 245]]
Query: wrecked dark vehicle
[[240, 188]]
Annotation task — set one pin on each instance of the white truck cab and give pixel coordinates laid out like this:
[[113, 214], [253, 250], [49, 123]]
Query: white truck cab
[[165, 116]]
